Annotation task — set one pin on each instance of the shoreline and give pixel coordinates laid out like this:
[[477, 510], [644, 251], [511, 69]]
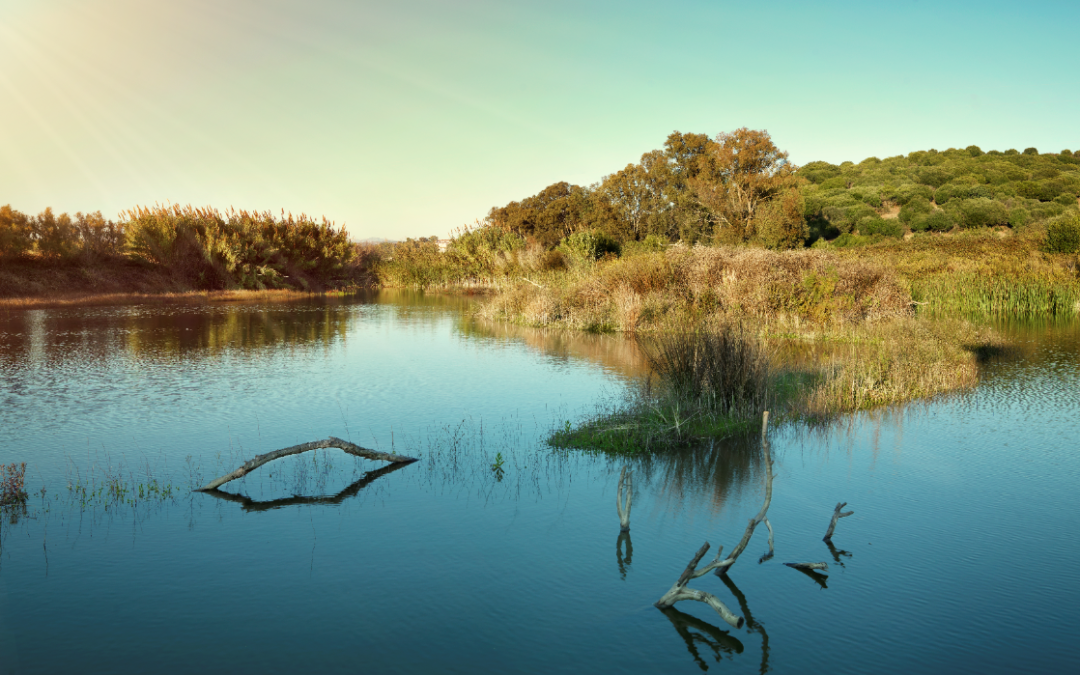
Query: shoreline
[[166, 298]]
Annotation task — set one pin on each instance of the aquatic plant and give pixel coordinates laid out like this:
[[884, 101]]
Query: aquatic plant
[[12, 483]]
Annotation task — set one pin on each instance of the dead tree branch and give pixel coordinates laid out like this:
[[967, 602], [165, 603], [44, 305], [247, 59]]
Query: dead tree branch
[[721, 566], [331, 442], [809, 566], [679, 591], [249, 504], [626, 481], [836, 516]]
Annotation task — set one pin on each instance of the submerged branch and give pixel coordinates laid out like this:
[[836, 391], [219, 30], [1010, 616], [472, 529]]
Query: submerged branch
[[332, 442], [249, 504], [626, 481], [837, 515]]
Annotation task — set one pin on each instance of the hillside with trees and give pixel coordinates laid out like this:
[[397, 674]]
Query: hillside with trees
[[739, 187]]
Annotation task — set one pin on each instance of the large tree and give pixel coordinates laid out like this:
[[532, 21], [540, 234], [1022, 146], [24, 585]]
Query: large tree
[[737, 176]]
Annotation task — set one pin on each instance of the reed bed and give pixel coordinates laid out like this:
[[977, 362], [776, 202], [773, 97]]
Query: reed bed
[[663, 291], [975, 295], [706, 384]]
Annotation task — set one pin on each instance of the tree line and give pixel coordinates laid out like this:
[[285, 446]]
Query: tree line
[[738, 187]]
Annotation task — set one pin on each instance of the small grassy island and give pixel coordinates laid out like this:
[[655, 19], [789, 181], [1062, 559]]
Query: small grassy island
[[749, 282]]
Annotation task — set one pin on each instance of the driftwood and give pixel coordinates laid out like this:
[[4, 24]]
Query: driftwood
[[331, 442], [679, 591], [249, 504], [809, 566], [626, 480], [835, 517]]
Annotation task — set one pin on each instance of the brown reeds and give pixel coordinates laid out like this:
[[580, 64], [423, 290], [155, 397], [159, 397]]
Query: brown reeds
[[659, 291]]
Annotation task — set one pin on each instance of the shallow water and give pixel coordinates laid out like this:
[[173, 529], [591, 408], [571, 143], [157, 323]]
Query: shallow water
[[958, 558]]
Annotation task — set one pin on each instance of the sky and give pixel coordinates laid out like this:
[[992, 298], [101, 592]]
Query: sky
[[415, 117]]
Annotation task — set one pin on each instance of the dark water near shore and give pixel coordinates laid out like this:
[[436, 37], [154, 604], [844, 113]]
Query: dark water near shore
[[960, 556]]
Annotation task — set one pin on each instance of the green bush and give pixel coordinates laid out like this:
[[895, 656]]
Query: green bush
[[650, 244], [913, 192], [1031, 151], [1063, 234], [936, 221], [1065, 199], [974, 150], [1019, 217], [871, 225], [982, 213], [588, 246], [913, 209]]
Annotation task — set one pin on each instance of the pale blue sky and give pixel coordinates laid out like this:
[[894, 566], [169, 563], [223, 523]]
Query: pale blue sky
[[413, 117]]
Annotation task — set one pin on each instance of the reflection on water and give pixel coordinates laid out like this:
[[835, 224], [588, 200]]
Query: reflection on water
[[491, 575], [249, 504]]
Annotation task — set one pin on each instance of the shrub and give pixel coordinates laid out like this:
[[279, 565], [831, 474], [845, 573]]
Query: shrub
[[1031, 151], [937, 221], [983, 213], [819, 172], [1065, 199], [1066, 152], [871, 225], [913, 192], [974, 150], [913, 209], [935, 176], [650, 244], [588, 246], [1019, 217], [1063, 234]]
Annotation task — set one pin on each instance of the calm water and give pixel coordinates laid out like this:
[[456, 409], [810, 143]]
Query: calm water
[[960, 556]]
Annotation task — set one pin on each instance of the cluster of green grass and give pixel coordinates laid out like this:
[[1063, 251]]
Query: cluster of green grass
[[708, 383], [205, 248], [980, 274]]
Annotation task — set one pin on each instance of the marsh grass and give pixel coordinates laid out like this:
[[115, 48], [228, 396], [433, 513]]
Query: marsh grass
[[706, 385], [12, 483], [665, 291]]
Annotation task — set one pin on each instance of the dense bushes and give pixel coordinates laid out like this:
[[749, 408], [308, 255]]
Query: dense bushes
[[205, 248], [932, 191]]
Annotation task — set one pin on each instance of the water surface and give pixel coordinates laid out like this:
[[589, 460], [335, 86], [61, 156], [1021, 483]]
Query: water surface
[[958, 558]]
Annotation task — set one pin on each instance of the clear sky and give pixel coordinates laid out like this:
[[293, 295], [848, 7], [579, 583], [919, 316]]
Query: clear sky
[[412, 117]]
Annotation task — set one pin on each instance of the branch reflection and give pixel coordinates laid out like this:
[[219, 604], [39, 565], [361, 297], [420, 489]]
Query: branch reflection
[[624, 560], [752, 626], [694, 631], [249, 504]]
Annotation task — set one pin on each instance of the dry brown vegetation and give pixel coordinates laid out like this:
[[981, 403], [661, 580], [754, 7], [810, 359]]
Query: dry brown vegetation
[[658, 291]]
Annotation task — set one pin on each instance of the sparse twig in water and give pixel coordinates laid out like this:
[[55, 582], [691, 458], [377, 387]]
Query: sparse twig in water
[[837, 515], [626, 481]]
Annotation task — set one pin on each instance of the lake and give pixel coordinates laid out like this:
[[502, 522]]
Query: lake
[[960, 555]]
